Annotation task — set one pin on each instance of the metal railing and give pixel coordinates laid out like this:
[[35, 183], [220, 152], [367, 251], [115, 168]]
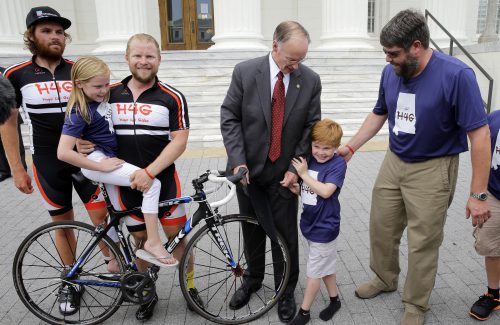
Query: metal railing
[[453, 40]]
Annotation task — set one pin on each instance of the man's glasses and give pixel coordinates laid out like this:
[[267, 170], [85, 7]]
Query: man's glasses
[[294, 61], [392, 54]]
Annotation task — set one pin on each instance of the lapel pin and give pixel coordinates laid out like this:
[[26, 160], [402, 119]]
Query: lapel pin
[[298, 86]]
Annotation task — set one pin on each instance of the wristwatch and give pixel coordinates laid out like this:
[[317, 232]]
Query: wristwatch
[[481, 196]]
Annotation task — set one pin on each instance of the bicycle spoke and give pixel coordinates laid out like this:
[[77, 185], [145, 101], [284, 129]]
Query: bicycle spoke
[[216, 291], [99, 291], [212, 267], [47, 296], [217, 284], [42, 278], [211, 274], [214, 241], [39, 259], [211, 255], [43, 247]]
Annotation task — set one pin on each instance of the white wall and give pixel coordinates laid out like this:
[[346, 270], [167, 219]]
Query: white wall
[[153, 23], [308, 12], [488, 56], [274, 12]]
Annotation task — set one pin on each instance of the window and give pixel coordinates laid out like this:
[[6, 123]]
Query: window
[[481, 16], [371, 16]]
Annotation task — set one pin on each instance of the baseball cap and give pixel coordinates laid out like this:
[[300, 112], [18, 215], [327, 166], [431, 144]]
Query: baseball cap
[[44, 13]]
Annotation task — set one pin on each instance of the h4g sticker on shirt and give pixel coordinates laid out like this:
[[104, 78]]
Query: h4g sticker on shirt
[[307, 195], [495, 157], [404, 120]]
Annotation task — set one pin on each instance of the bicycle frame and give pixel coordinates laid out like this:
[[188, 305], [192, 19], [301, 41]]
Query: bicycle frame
[[204, 212]]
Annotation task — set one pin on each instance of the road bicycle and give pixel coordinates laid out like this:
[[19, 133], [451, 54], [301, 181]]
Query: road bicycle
[[216, 248]]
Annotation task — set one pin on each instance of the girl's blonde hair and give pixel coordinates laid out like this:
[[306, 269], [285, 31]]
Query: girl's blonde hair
[[327, 132], [84, 69]]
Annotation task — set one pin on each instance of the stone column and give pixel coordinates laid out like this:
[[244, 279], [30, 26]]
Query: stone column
[[452, 14], [117, 20], [344, 24], [12, 27], [490, 34], [237, 25]]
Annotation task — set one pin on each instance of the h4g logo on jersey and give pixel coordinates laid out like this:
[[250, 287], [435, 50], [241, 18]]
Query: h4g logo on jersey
[[123, 108], [50, 86]]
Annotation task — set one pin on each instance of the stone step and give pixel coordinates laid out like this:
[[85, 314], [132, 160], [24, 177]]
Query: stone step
[[333, 81], [248, 54], [350, 80], [215, 141], [327, 94], [326, 103]]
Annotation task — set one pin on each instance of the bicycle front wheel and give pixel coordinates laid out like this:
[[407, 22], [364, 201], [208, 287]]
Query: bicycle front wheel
[[40, 271], [205, 264]]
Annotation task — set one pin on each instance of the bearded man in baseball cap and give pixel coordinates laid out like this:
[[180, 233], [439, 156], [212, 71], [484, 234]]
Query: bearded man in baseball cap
[[42, 88]]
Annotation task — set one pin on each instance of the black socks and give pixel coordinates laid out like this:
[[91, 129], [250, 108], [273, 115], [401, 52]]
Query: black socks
[[493, 292], [331, 309], [302, 317]]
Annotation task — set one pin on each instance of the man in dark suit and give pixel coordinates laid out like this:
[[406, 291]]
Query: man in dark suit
[[266, 120]]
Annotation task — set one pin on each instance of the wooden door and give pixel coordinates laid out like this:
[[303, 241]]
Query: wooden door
[[186, 24]]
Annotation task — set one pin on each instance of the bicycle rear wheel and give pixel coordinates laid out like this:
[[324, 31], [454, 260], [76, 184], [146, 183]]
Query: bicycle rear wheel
[[39, 273], [216, 281]]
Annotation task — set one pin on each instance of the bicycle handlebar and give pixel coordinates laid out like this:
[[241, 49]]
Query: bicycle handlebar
[[231, 181]]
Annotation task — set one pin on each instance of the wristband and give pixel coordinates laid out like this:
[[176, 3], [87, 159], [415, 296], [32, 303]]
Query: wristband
[[147, 173], [350, 149]]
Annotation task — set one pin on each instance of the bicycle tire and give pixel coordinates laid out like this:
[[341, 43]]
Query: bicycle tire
[[216, 281], [38, 267]]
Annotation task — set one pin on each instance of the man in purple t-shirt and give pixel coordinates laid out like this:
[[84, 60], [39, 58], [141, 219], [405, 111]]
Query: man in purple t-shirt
[[432, 103]]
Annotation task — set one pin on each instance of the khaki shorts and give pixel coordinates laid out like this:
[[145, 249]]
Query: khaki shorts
[[321, 258], [488, 237]]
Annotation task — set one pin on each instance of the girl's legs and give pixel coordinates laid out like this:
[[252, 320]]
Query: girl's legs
[[153, 244], [121, 177]]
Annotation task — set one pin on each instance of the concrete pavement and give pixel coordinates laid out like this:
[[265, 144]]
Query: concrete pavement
[[460, 280]]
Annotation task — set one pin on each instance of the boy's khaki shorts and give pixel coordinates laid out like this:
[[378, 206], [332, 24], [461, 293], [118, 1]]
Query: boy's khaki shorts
[[488, 237], [321, 258]]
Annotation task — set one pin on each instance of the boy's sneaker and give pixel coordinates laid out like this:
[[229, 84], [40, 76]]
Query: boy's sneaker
[[69, 298], [485, 305], [300, 319]]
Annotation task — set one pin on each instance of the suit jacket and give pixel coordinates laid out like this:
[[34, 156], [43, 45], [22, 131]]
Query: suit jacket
[[246, 116]]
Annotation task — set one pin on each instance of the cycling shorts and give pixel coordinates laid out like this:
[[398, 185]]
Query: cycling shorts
[[169, 216], [55, 183]]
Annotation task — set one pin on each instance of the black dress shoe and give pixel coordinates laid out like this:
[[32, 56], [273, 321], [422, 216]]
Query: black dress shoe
[[146, 311], [242, 296], [286, 308], [4, 177], [196, 297]]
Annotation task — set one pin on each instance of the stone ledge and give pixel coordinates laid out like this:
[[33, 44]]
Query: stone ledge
[[375, 145]]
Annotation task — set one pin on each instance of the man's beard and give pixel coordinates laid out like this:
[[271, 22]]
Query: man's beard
[[144, 80], [407, 69], [45, 51]]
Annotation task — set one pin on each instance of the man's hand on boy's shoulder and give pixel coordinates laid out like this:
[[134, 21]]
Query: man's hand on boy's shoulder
[[345, 153]]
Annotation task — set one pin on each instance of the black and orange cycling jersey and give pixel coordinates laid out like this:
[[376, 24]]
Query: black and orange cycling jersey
[[143, 130], [42, 98]]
